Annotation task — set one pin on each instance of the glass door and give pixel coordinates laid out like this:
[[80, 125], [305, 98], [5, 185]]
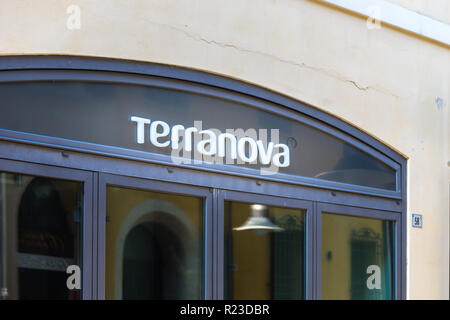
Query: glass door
[[155, 239], [45, 236], [264, 242], [358, 253], [171, 240]]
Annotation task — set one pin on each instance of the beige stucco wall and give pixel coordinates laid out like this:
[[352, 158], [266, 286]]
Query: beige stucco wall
[[383, 81]]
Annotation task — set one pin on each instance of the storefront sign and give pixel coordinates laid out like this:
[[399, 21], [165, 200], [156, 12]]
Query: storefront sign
[[240, 138], [213, 143]]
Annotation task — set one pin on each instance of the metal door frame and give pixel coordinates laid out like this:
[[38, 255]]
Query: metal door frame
[[342, 210], [106, 179], [227, 195]]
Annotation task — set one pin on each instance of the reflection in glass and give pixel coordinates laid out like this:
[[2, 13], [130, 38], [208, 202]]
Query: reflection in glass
[[259, 221], [264, 252], [154, 245], [42, 238], [357, 258]]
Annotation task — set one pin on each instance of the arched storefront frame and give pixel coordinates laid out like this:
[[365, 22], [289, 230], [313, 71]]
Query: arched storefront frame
[[66, 68]]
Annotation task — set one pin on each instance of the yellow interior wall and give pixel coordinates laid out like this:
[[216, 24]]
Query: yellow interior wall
[[336, 237], [252, 251], [119, 203]]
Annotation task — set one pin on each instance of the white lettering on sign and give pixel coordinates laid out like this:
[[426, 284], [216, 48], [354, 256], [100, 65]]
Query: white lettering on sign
[[235, 144]]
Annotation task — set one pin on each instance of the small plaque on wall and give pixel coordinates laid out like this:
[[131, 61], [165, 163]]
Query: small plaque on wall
[[416, 220]]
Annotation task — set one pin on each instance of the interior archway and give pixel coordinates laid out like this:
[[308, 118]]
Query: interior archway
[[157, 236]]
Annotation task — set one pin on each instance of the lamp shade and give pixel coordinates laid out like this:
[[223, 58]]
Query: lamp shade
[[259, 221]]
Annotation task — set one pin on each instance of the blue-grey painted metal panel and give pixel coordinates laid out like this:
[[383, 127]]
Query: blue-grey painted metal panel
[[53, 156]]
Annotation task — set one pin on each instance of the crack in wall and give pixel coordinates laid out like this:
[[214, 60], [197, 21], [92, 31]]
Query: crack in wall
[[331, 73]]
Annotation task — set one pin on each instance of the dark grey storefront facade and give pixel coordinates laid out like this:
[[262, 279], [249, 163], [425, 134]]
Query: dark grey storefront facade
[[133, 216]]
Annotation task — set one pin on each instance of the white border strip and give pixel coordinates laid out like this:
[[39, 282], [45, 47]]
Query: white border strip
[[400, 17]]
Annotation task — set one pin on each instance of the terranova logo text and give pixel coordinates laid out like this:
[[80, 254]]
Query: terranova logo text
[[195, 145]]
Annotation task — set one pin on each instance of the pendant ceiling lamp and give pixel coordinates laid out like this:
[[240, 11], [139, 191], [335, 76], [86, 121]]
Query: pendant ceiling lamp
[[259, 221]]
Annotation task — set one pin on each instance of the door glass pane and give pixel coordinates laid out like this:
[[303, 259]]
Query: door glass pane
[[154, 245], [264, 252], [357, 258], [41, 222]]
